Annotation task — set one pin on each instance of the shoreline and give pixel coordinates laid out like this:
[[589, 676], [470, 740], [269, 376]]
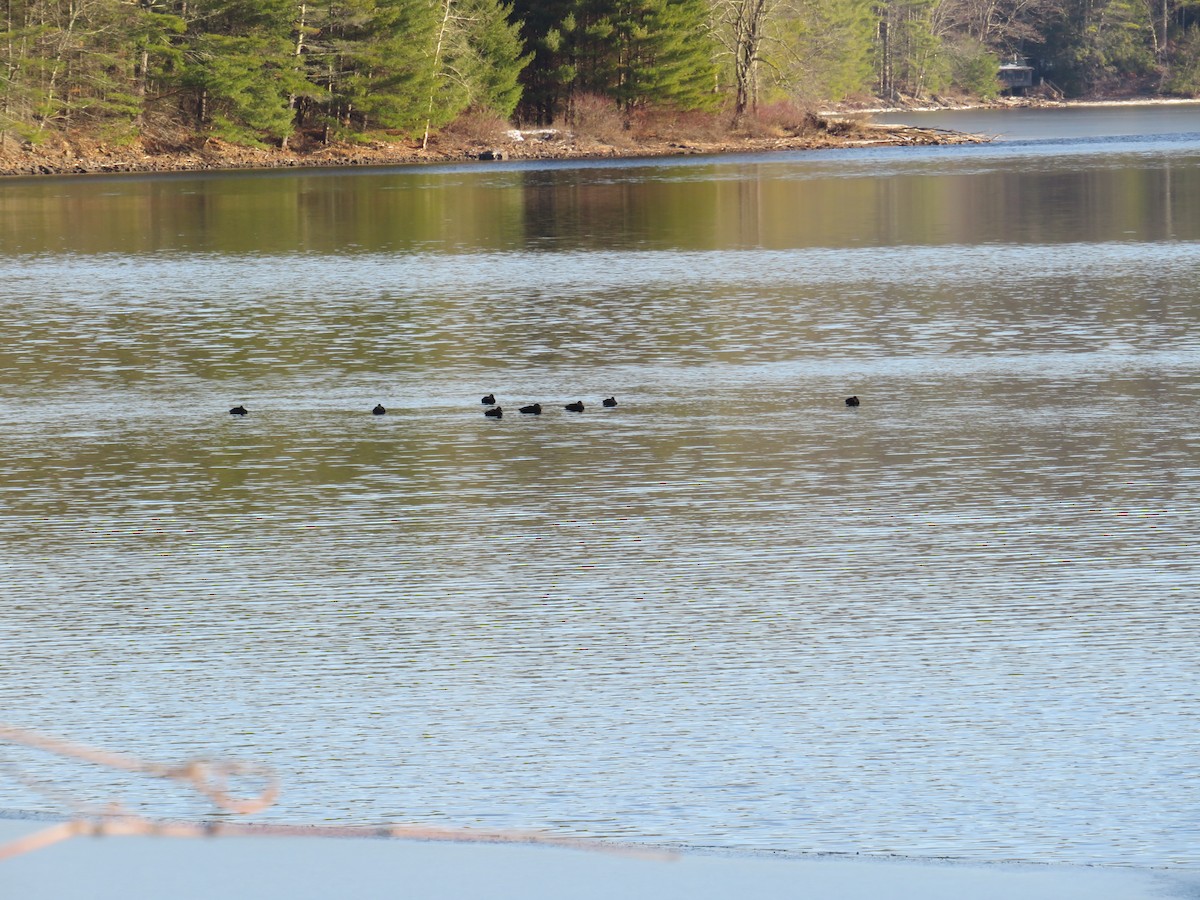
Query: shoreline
[[82, 157], [841, 127], [1015, 103]]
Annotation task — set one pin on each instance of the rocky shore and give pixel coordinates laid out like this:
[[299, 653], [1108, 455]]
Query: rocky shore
[[848, 125], [81, 156]]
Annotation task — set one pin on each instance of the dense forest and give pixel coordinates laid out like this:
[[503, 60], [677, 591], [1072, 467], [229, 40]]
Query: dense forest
[[280, 71]]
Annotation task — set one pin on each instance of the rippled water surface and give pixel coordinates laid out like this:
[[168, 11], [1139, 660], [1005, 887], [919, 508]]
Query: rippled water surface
[[960, 619]]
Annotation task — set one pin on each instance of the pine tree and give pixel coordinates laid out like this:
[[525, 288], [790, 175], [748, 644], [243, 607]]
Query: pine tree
[[477, 58], [586, 39], [241, 70], [668, 55], [635, 52], [157, 58], [908, 49], [325, 37], [382, 69], [490, 56], [821, 49], [547, 28], [1185, 69], [84, 63]]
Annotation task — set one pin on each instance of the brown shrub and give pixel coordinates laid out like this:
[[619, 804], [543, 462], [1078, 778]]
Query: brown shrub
[[478, 126], [666, 124], [785, 117], [847, 125], [595, 117], [165, 133], [790, 119]]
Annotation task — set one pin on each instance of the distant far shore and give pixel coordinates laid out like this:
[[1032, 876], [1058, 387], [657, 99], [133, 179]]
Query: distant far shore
[[844, 126], [1014, 103]]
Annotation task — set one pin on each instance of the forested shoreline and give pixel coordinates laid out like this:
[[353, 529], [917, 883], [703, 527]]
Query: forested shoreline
[[292, 75]]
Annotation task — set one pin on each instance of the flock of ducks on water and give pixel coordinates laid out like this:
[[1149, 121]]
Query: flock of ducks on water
[[494, 411], [535, 409]]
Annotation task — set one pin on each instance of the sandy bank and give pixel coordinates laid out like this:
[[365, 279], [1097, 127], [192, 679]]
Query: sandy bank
[[298, 868]]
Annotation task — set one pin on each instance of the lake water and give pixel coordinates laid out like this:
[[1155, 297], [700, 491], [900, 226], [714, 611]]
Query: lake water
[[957, 620]]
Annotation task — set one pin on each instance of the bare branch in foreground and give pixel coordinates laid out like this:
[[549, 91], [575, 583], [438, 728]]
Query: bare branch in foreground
[[210, 779]]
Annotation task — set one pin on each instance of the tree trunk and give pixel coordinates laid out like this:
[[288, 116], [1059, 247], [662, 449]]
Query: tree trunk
[[143, 78], [283, 143], [749, 20], [437, 61], [6, 108]]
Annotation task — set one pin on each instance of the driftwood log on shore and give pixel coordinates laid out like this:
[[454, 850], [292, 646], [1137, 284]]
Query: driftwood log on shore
[[83, 157]]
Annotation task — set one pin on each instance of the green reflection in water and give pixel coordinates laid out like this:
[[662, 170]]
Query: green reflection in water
[[704, 205]]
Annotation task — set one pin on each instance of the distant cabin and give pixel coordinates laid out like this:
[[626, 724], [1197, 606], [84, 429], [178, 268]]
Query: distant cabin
[[1015, 76]]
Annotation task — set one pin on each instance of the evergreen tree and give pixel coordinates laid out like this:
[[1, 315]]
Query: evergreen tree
[[635, 52], [822, 49], [157, 58], [591, 32], [1185, 71], [489, 56], [258, 69], [909, 53], [1097, 41], [547, 28], [666, 55], [381, 71], [84, 63], [1123, 39], [476, 60], [241, 70], [325, 38]]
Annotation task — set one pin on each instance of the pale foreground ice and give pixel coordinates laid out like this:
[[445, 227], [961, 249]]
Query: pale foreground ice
[[298, 868]]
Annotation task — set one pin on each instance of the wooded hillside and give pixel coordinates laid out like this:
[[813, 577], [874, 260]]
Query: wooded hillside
[[274, 71]]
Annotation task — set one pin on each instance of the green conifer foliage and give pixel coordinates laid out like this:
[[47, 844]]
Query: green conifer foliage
[[85, 64], [157, 57], [910, 60], [821, 50], [389, 65], [477, 59], [326, 38], [241, 70], [244, 85], [546, 30], [592, 35], [489, 56], [668, 57], [1121, 39], [1185, 73], [635, 52], [258, 70]]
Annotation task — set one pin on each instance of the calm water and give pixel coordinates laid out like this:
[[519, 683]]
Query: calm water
[[958, 620]]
